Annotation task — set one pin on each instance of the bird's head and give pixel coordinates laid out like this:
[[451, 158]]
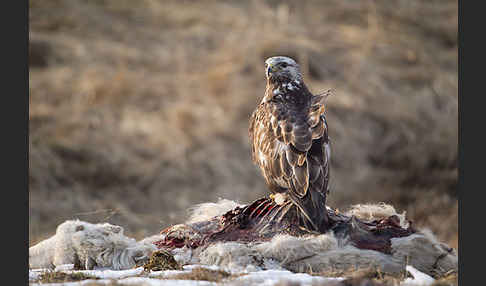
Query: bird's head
[[282, 69]]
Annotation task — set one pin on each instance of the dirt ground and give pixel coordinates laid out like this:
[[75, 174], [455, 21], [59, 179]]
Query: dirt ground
[[139, 109]]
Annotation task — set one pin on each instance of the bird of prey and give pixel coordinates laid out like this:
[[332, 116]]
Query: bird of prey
[[290, 143]]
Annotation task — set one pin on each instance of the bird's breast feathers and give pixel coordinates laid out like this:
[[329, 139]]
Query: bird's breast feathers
[[283, 131]]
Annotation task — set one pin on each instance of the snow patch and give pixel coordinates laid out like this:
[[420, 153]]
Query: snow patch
[[272, 277], [261, 277], [419, 278]]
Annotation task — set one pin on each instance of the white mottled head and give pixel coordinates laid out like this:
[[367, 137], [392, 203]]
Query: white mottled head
[[282, 69]]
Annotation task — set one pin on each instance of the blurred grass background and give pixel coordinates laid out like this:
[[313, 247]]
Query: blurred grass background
[[139, 109]]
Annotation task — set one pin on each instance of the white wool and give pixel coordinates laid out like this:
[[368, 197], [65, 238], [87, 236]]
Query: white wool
[[206, 211], [183, 231], [322, 253], [152, 239], [185, 255], [424, 252], [287, 248], [42, 254], [232, 256], [90, 245], [346, 258], [378, 211], [104, 245]]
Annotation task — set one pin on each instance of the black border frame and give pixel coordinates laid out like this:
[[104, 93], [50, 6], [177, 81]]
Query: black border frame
[[15, 141]]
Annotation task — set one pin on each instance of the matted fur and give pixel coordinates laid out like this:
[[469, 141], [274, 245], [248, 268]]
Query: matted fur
[[232, 256], [89, 245], [104, 245], [425, 253], [206, 211], [321, 253], [378, 211], [325, 252], [346, 258], [287, 248]]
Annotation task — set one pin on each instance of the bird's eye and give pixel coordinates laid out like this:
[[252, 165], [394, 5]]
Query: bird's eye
[[284, 65]]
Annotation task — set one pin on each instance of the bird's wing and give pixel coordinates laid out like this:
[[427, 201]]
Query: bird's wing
[[292, 149], [282, 141]]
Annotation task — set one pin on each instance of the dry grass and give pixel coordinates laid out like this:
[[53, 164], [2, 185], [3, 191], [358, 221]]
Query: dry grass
[[374, 276], [364, 276], [203, 274], [61, 277], [139, 109], [451, 279]]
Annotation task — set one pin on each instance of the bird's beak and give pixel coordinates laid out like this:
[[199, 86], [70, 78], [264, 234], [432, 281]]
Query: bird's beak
[[270, 69]]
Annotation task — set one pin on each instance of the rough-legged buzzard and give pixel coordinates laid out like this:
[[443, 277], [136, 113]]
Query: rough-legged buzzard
[[290, 143]]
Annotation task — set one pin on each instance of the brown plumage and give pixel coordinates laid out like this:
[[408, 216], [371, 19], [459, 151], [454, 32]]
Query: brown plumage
[[290, 143]]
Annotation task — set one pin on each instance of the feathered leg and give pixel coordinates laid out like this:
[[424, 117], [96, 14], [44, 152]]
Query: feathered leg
[[311, 210]]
